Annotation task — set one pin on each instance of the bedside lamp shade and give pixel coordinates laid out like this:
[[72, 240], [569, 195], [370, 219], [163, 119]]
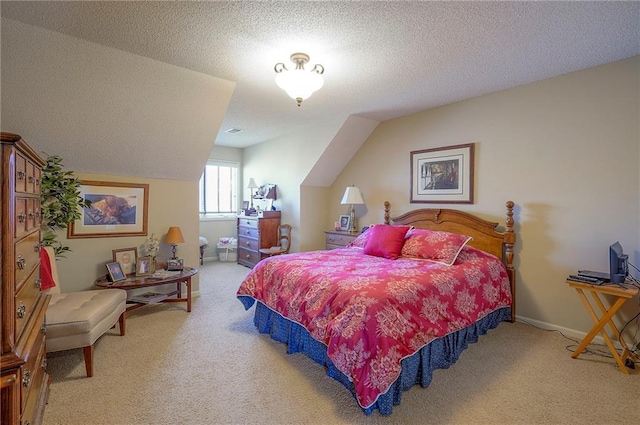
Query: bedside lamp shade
[[174, 237], [353, 196]]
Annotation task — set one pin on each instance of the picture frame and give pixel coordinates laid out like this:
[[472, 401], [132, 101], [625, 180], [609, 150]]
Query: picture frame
[[443, 175], [117, 209], [175, 264], [345, 222], [114, 271], [127, 257], [145, 266]]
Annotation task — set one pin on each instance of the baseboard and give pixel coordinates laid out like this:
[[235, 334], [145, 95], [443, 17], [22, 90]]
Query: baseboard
[[572, 333]]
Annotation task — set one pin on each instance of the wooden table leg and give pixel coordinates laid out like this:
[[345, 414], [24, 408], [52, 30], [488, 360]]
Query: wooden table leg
[[188, 283]]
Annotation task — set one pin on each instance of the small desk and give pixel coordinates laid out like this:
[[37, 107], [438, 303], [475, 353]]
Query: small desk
[[621, 295], [136, 282]]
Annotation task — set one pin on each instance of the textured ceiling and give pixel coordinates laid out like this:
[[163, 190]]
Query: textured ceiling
[[382, 59]]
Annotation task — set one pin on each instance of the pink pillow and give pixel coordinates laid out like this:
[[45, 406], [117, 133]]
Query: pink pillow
[[385, 241], [361, 240], [432, 245]]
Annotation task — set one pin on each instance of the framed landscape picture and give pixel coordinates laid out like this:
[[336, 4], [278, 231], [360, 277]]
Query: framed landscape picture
[[442, 175], [117, 209]]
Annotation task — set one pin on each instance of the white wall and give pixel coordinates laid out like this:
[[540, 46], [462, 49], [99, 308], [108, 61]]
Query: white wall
[[565, 150]]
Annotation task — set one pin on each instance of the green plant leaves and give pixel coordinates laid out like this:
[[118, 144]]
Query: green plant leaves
[[60, 202]]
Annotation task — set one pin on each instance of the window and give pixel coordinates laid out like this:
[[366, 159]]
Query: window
[[219, 188]]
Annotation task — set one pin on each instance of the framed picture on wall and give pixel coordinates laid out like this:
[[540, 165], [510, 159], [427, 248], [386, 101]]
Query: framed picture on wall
[[117, 209], [442, 175]]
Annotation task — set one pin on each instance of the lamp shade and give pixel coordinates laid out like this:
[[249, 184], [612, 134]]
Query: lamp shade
[[353, 196], [174, 236], [299, 84], [252, 184]]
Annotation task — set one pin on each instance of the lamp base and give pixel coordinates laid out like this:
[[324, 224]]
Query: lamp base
[[353, 228]]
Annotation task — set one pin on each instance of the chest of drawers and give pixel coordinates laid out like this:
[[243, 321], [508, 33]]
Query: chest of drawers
[[24, 382], [338, 238], [255, 233]]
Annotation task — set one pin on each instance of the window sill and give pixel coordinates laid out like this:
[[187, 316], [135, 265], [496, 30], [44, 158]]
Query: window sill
[[217, 217]]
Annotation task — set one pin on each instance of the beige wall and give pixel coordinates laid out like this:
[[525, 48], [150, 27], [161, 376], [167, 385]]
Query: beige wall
[[286, 161], [565, 150], [171, 203]]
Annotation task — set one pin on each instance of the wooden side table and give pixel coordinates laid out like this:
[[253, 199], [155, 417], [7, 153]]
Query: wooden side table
[[339, 238], [621, 295], [133, 282]]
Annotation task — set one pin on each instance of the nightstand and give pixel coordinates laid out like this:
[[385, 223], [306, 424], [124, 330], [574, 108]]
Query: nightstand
[[339, 238]]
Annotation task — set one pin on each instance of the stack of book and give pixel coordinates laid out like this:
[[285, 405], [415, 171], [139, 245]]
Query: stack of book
[[148, 298]]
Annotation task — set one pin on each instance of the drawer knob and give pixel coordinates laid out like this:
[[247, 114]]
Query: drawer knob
[[36, 247], [43, 365], [248, 256], [22, 217], [21, 310], [248, 232], [38, 283], [21, 175], [31, 179], [26, 378], [21, 262], [248, 243], [43, 328]]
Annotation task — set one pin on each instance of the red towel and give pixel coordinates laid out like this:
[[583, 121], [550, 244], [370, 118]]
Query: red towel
[[46, 278]]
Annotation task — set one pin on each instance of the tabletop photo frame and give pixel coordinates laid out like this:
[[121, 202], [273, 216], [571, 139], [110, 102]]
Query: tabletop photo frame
[[145, 266], [127, 257], [115, 272], [345, 222]]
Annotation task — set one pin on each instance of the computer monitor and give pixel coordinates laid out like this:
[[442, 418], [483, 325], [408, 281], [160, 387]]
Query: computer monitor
[[618, 265]]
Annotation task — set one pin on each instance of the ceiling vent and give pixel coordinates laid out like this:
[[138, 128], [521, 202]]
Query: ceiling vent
[[233, 130]]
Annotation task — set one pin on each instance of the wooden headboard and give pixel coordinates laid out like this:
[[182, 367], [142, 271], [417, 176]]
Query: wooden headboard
[[484, 233]]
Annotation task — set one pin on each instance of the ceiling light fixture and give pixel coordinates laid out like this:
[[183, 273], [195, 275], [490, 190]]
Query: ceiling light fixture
[[299, 84]]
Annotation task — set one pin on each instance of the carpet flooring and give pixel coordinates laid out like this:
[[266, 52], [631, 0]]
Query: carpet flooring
[[211, 366]]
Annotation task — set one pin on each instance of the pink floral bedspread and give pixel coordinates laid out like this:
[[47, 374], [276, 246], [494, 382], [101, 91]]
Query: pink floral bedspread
[[372, 312]]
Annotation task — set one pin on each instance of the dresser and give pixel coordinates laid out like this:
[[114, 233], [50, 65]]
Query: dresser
[[254, 233], [24, 382], [339, 238]]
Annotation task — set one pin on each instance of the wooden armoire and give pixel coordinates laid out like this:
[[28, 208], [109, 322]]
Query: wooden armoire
[[24, 382]]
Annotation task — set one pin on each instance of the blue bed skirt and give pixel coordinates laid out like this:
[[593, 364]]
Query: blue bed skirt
[[416, 369]]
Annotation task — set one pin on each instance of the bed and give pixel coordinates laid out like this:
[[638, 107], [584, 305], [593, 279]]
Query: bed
[[403, 299]]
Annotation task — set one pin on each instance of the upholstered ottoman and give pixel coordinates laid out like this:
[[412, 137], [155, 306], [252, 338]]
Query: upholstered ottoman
[[78, 319]]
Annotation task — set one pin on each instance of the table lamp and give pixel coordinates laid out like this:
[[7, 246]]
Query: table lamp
[[174, 237], [353, 196]]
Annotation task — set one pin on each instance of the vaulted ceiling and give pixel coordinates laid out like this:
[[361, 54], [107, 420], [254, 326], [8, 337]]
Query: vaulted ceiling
[[382, 59]]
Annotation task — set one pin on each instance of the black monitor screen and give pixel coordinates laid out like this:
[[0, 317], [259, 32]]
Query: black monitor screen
[[617, 263]]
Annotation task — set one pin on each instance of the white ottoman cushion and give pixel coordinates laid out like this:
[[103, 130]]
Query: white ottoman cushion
[[77, 319]]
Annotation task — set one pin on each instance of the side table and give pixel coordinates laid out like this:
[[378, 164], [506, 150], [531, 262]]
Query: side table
[[339, 238], [621, 295], [137, 282]]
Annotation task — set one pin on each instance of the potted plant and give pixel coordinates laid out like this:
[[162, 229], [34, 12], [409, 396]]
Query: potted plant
[[60, 202]]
